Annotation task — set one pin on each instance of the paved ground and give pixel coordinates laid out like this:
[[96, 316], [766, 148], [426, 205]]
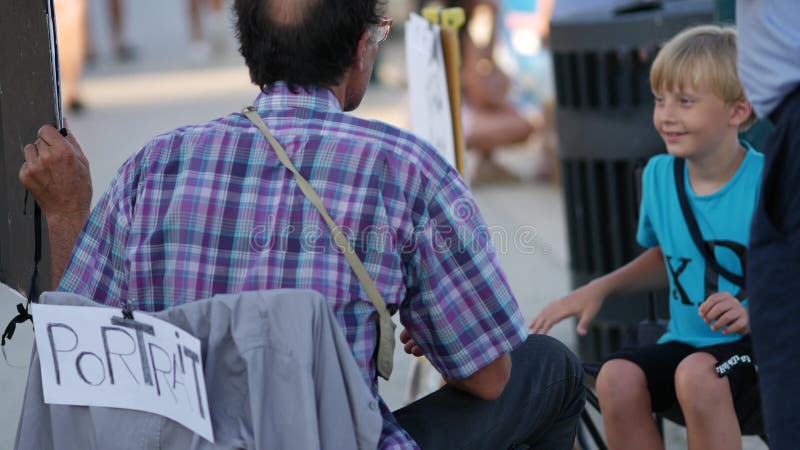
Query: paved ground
[[163, 88]]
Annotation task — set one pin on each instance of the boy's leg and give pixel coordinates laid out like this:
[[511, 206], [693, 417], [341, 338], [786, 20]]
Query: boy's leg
[[631, 384], [707, 404], [626, 406], [539, 408]]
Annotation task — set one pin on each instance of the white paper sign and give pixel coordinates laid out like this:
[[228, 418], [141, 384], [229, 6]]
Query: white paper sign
[[427, 86], [94, 357]]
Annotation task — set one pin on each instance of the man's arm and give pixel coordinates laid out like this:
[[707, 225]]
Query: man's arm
[[62, 232], [487, 383], [56, 173]]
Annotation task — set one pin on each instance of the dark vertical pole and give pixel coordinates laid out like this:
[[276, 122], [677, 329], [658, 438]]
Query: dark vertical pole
[[4, 235], [26, 103]]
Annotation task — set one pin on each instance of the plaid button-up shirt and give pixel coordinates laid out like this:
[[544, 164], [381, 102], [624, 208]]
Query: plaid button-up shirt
[[209, 209]]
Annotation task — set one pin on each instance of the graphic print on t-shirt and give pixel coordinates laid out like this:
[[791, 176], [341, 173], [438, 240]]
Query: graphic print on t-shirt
[[678, 265]]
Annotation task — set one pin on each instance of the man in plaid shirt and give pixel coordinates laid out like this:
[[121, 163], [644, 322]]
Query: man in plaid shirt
[[209, 209]]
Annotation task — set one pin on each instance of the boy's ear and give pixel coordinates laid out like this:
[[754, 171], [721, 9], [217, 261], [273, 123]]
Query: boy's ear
[[741, 111]]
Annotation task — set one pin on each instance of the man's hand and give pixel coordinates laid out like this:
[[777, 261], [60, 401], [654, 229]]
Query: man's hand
[[56, 173], [722, 310], [409, 346]]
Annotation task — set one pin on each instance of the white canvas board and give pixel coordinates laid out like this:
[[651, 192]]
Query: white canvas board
[[427, 86]]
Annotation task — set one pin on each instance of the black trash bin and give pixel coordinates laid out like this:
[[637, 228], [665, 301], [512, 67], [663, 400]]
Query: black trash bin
[[602, 61]]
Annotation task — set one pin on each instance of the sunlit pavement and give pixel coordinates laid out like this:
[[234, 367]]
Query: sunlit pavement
[[162, 89]]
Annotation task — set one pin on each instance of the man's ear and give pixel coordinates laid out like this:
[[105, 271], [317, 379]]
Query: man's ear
[[361, 50], [742, 110]]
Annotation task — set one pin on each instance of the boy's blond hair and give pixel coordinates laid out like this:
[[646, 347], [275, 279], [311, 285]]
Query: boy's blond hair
[[701, 56]]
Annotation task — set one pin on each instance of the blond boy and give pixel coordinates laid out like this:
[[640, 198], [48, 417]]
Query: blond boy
[[699, 108]]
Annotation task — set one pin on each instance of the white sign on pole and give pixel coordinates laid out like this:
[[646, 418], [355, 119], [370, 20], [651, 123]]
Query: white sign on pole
[[95, 357], [427, 86]]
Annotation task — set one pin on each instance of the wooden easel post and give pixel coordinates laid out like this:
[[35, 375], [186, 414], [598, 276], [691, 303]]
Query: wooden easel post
[[450, 21]]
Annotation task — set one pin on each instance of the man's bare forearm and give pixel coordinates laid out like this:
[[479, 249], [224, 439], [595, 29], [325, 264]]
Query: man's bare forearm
[[56, 172], [489, 382], [63, 232]]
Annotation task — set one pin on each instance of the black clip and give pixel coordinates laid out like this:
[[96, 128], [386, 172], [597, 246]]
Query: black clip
[[127, 313], [21, 317]]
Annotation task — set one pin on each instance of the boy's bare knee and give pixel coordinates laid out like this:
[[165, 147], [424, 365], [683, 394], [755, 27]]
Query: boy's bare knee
[[619, 382], [697, 383]]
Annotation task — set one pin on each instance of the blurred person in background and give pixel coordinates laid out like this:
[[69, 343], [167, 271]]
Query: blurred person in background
[[523, 52], [123, 51], [531, 15], [490, 120], [207, 27], [71, 33]]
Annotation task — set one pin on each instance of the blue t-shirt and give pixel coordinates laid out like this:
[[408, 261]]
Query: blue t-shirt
[[724, 219]]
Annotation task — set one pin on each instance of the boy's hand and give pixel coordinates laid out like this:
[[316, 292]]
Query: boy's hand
[[722, 310], [583, 303], [409, 345]]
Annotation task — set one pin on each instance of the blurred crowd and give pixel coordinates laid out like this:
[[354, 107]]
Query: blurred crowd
[[78, 46], [507, 76], [507, 86]]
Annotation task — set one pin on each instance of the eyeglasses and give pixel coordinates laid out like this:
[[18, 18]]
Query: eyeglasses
[[379, 32]]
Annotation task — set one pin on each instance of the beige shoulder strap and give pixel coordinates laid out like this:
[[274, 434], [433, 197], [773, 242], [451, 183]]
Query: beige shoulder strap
[[386, 327]]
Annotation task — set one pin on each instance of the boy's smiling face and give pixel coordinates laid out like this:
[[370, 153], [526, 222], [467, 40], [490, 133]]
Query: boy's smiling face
[[693, 122]]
